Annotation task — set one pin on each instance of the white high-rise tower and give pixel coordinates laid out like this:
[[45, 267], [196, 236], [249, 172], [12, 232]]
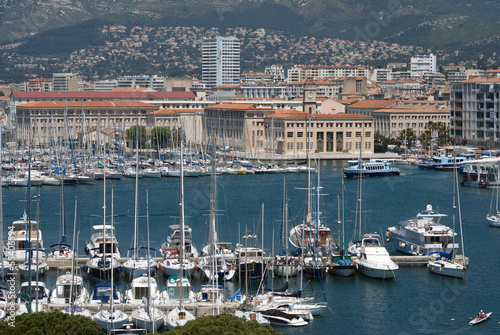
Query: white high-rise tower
[[221, 61]]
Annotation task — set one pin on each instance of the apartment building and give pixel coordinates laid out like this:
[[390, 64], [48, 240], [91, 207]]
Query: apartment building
[[319, 72], [474, 111], [422, 64], [221, 61], [65, 82]]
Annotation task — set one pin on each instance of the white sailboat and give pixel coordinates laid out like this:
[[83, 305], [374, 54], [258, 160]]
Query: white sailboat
[[493, 217], [136, 266], [448, 264], [111, 318], [179, 316], [372, 257], [148, 317]]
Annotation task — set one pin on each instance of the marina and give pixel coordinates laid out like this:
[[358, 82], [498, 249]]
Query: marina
[[381, 302]]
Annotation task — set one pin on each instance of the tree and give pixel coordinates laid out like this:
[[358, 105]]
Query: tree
[[426, 138], [2, 94], [407, 135], [160, 136], [131, 134], [222, 324], [55, 323]]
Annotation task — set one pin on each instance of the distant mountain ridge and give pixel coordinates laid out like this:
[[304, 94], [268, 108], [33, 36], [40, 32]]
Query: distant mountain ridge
[[457, 26]]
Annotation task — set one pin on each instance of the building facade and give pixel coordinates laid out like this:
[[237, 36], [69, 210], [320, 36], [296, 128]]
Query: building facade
[[318, 72], [422, 64], [474, 111], [65, 82], [221, 61]]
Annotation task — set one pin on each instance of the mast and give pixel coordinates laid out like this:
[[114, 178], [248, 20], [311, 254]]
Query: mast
[[136, 223], [112, 245], [2, 269], [181, 251], [149, 272], [71, 302]]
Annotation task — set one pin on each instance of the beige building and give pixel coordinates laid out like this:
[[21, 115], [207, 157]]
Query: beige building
[[390, 122], [48, 121], [248, 128]]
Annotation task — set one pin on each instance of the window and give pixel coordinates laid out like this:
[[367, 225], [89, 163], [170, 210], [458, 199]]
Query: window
[[368, 134], [300, 134], [358, 134], [348, 134], [289, 134]]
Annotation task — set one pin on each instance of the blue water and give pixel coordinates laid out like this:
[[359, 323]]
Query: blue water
[[419, 302]]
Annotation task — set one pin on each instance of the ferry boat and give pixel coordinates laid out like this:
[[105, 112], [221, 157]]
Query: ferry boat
[[481, 173], [423, 234], [370, 169], [439, 162]]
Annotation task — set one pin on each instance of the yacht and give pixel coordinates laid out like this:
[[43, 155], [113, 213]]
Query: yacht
[[61, 294], [19, 231], [102, 241], [250, 262], [423, 234], [307, 235], [372, 258], [37, 292], [144, 287], [174, 239]]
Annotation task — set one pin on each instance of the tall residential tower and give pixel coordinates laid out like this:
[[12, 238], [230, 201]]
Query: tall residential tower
[[221, 61]]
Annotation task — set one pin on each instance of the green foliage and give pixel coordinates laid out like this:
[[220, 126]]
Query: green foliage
[[426, 138], [160, 136], [407, 135], [132, 135], [2, 94], [441, 129], [53, 323], [222, 325]]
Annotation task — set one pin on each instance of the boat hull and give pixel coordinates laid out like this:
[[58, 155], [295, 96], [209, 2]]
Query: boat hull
[[493, 221], [452, 270], [374, 272], [284, 270], [342, 270]]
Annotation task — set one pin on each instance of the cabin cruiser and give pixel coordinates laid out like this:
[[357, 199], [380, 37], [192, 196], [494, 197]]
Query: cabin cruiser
[[372, 257], [103, 241], [61, 294], [37, 292], [174, 240], [423, 234], [250, 262], [308, 236], [18, 235]]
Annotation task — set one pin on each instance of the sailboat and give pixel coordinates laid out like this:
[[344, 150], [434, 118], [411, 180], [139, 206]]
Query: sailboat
[[448, 264], [111, 318], [62, 250], [136, 265], [284, 265], [69, 287], [372, 257], [217, 261], [493, 217], [148, 317], [341, 262], [179, 288], [103, 248], [4, 264]]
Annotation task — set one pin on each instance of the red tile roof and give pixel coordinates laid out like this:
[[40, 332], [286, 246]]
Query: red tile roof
[[411, 110], [111, 95], [86, 104], [373, 104]]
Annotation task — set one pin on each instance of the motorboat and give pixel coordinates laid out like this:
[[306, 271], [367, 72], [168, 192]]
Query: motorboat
[[62, 293], [144, 288], [252, 316], [174, 239], [179, 290], [249, 261], [101, 267], [102, 294], [278, 317], [372, 257], [423, 234], [34, 291], [103, 241], [18, 236]]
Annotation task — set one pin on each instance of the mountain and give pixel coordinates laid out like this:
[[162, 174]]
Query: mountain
[[461, 27]]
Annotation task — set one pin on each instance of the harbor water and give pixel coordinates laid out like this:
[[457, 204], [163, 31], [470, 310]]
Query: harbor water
[[417, 302]]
